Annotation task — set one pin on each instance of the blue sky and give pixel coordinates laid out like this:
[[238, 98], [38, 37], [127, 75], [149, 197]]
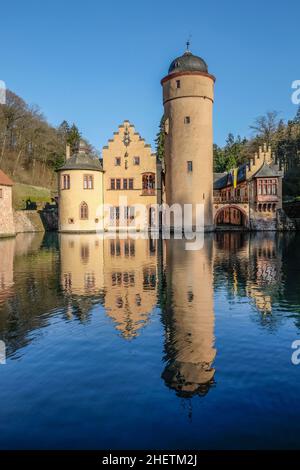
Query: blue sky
[[97, 63]]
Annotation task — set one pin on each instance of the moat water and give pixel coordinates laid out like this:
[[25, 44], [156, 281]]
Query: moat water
[[127, 344]]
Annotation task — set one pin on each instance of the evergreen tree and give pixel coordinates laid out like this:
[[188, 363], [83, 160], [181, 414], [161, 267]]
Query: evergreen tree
[[73, 138], [160, 141], [296, 119]]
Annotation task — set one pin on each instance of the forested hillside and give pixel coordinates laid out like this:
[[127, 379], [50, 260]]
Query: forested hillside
[[30, 148]]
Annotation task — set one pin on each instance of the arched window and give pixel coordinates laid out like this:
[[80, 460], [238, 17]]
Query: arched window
[[84, 211], [148, 180]]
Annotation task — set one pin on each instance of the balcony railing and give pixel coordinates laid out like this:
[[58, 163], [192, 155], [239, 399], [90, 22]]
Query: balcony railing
[[148, 192], [232, 200]]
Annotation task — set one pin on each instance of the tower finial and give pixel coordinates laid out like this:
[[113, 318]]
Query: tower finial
[[188, 43]]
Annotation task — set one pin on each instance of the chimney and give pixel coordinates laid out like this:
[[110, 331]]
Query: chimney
[[68, 151]]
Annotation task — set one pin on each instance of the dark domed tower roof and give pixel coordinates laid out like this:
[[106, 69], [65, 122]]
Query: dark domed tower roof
[[188, 63], [82, 160]]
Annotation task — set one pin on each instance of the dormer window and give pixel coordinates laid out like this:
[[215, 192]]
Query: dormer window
[[117, 161]]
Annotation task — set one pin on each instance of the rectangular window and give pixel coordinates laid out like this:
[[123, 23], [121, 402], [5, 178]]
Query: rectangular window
[[130, 183], [177, 83], [189, 166], [264, 187], [125, 186], [88, 182], [187, 120], [259, 187], [136, 160], [118, 161], [112, 183], [65, 181], [117, 213], [118, 183], [1, 193]]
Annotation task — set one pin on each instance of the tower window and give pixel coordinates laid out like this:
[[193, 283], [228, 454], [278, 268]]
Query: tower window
[[187, 120], [88, 182], [189, 166], [84, 211], [117, 161], [177, 83], [65, 182]]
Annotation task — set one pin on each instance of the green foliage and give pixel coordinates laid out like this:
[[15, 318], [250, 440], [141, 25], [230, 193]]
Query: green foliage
[[73, 137], [22, 192], [231, 155], [160, 141]]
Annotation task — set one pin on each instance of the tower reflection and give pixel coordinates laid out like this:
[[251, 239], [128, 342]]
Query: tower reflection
[[188, 317]]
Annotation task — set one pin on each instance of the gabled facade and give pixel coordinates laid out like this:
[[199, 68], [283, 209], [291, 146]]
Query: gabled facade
[[129, 175]]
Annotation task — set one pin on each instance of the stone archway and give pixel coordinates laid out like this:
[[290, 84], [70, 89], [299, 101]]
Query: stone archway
[[231, 216]]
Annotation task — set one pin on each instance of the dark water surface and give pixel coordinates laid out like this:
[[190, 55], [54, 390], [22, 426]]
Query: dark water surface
[[140, 344]]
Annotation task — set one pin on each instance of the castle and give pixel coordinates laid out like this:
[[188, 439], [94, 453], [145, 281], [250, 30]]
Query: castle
[[249, 197]]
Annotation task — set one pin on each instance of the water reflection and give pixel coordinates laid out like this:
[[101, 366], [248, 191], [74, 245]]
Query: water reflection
[[121, 271], [130, 279], [67, 275], [252, 266], [7, 250], [28, 293], [188, 317]]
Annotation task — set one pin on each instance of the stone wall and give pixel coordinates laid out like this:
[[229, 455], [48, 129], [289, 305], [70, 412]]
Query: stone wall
[[7, 227], [28, 221], [35, 221]]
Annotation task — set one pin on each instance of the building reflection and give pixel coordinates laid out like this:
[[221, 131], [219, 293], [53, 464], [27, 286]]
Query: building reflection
[[250, 266], [123, 271], [188, 317], [28, 294], [131, 283], [264, 271], [81, 258], [7, 251]]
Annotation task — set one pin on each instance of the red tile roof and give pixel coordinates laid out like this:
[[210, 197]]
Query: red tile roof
[[5, 180]]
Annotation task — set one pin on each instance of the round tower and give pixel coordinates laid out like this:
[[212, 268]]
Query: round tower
[[80, 189], [188, 94]]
